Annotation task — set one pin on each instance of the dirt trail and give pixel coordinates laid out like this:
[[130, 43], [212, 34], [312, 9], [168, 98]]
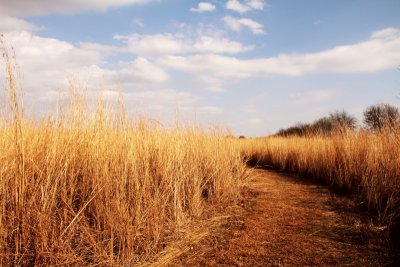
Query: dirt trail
[[286, 221]]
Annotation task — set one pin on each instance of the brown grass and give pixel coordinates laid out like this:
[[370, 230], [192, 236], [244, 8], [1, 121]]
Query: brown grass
[[285, 220], [360, 162], [93, 188]]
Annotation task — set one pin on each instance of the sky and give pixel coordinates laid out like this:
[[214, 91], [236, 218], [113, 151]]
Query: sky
[[252, 66]]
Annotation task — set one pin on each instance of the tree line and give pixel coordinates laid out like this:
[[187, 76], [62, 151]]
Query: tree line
[[376, 118]]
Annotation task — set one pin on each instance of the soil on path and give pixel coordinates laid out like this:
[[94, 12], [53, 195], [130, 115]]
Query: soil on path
[[286, 221]]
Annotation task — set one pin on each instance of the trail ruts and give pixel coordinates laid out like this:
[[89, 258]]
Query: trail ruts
[[286, 221]]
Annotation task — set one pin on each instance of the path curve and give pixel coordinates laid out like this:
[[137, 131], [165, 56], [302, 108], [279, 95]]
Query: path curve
[[287, 221]]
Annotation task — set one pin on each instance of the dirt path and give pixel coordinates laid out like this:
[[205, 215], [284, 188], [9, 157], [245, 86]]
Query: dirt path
[[286, 221]]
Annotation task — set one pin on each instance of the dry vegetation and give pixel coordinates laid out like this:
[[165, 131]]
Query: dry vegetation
[[93, 188], [362, 162]]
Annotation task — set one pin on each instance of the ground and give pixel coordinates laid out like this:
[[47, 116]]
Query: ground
[[283, 220]]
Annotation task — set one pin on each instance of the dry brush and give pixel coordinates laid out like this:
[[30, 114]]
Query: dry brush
[[94, 188], [364, 163]]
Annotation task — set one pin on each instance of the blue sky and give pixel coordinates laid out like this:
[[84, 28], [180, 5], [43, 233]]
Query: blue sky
[[253, 66]]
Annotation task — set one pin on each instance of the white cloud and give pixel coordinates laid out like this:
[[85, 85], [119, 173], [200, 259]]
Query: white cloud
[[160, 99], [256, 4], [380, 52], [140, 70], [248, 5], [137, 73], [209, 64], [154, 103], [41, 7], [47, 64], [219, 45], [138, 22], [174, 44], [237, 6], [103, 49], [236, 24], [203, 7], [56, 61], [211, 83], [310, 97], [254, 26], [8, 24], [388, 33], [150, 45], [232, 23]]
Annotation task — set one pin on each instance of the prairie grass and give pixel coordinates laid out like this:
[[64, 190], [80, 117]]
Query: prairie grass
[[363, 163], [94, 188]]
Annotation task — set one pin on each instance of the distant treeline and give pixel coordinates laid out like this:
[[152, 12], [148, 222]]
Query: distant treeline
[[376, 118]]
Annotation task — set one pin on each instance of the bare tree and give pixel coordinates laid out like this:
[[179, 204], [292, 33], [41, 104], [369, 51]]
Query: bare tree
[[341, 120], [377, 117]]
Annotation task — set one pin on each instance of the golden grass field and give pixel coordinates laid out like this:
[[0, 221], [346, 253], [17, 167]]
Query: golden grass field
[[91, 187], [88, 191], [363, 163]]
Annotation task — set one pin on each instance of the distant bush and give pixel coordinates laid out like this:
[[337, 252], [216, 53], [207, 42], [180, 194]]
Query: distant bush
[[336, 121], [342, 120], [377, 117]]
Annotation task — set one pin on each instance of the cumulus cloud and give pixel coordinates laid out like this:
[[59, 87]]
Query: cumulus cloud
[[236, 24], [42, 7], [381, 51], [219, 45], [310, 97], [47, 64], [167, 100], [137, 73], [156, 44], [174, 44], [256, 4], [159, 104], [56, 61], [210, 83], [237, 6], [388, 33], [8, 24], [105, 50], [246, 6], [203, 7]]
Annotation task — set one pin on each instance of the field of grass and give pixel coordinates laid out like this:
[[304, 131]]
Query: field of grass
[[80, 192], [363, 163], [94, 188]]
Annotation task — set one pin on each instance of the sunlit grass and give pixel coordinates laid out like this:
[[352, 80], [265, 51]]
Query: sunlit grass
[[94, 188], [360, 162]]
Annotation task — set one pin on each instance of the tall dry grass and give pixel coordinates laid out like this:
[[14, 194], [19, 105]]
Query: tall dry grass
[[93, 188], [364, 163]]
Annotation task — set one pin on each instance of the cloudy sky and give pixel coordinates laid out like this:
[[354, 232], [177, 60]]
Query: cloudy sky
[[251, 65]]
